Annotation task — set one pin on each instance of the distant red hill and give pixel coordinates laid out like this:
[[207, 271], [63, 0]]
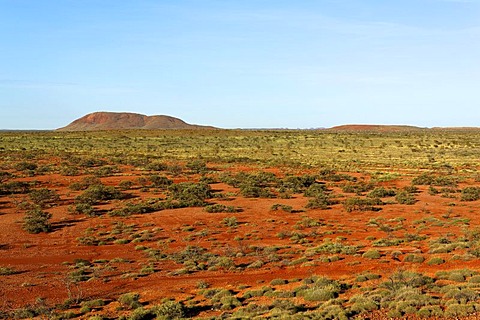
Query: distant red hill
[[125, 120], [375, 128]]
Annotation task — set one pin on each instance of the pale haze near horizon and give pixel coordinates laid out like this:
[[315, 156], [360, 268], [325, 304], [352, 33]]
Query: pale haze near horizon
[[241, 64]]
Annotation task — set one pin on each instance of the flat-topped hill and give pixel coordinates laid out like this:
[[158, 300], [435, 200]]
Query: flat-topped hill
[[375, 128], [127, 120]]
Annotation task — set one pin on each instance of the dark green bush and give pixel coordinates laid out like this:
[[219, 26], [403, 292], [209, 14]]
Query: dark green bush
[[96, 193], [85, 183], [157, 166], [190, 194], [297, 184], [160, 181], [219, 208], [197, 166], [25, 166], [130, 300], [404, 197], [36, 221], [358, 188], [470, 194], [321, 200], [371, 254], [362, 204], [283, 207], [170, 310], [381, 192], [14, 187], [43, 196], [84, 208]]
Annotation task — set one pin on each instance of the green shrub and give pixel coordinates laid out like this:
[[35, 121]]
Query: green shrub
[[283, 207], [6, 271], [87, 306], [170, 310], [381, 192], [372, 254], [14, 187], [25, 166], [367, 276], [160, 181], [219, 208], [278, 282], [156, 166], [197, 166], [85, 183], [362, 204], [358, 188], [84, 208], [36, 221], [230, 222], [470, 194], [96, 193], [404, 197], [130, 300], [415, 258], [361, 304], [435, 261], [321, 200], [43, 196], [324, 293], [190, 194]]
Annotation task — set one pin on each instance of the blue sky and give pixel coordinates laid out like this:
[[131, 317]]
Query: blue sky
[[242, 63]]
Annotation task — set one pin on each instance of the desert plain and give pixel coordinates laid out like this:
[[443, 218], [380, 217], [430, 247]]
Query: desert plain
[[240, 224]]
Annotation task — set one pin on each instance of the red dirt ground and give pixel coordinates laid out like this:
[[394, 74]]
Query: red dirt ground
[[40, 258]]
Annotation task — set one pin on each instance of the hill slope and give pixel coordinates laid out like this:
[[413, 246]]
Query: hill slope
[[126, 120]]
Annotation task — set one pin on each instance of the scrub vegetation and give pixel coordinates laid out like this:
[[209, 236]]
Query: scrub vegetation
[[229, 224]]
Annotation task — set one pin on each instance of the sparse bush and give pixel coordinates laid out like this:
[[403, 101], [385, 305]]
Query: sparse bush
[[85, 183], [435, 261], [160, 181], [197, 166], [282, 207], [415, 258], [362, 204], [372, 254], [357, 188], [25, 166], [6, 271], [219, 208], [230, 222], [170, 310], [190, 194], [404, 197], [84, 208], [130, 300], [43, 196], [470, 194], [96, 193], [381, 192], [36, 221]]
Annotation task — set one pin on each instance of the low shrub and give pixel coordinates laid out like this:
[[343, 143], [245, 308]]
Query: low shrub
[[362, 204], [435, 261], [404, 197], [220, 208], [130, 300], [170, 310], [36, 221], [372, 254], [470, 194], [96, 193], [43, 196]]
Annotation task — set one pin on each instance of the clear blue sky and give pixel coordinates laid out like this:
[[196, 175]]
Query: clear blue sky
[[241, 63]]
